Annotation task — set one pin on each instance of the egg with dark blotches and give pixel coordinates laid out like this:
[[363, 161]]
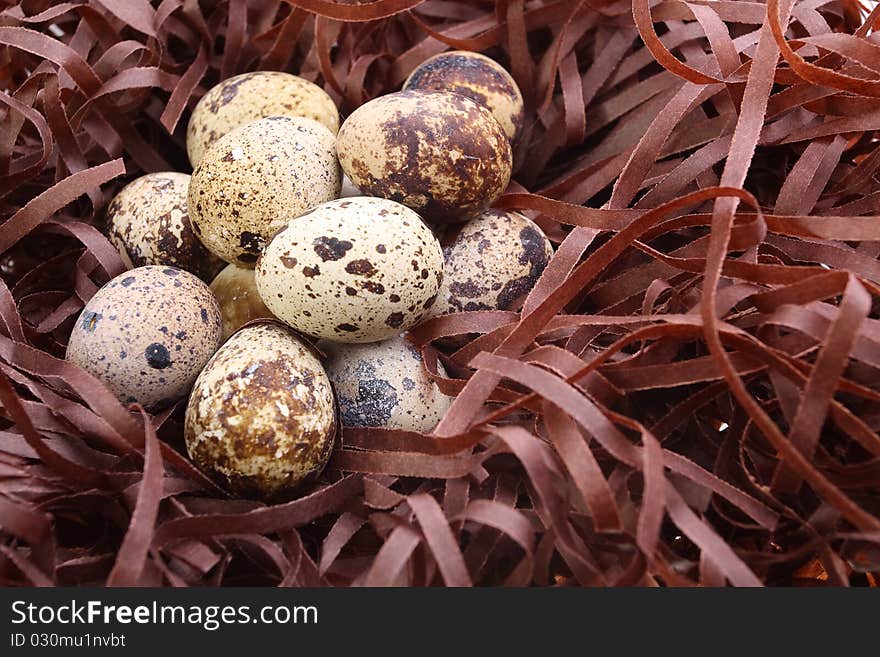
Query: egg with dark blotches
[[147, 334], [479, 78], [359, 269], [439, 153], [236, 292], [258, 177], [148, 223], [249, 97], [261, 418], [493, 263], [384, 384]]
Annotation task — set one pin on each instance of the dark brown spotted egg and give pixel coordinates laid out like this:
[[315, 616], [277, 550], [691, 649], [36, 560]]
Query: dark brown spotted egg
[[384, 384], [239, 300], [353, 270], [440, 153], [493, 263], [258, 177], [249, 97], [261, 418], [479, 78], [147, 334], [148, 224]]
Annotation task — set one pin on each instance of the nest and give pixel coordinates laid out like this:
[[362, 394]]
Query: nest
[[689, 395]]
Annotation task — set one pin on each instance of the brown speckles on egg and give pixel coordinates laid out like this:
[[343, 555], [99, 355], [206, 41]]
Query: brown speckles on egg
[[261, 419], [155, 358], [493, 263], [395, 320], [238, 298], [280, 168], [365, 294], [384, 384], [148, 223], [439, 153], [330, 248], [478, 77], [360, 267], [248, 97]]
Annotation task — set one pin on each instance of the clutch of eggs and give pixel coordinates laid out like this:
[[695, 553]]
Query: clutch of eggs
[[326, 233]]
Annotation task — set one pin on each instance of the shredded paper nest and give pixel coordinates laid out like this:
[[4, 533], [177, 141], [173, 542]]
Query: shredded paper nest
[[689, 396]]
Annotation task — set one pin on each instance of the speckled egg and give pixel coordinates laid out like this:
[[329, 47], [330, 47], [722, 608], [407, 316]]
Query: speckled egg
[[439, 153], [147, 334], [384, 384], [353, 270], [493, 263], [249, 97], [258, 177], [479, 78], [148, 224], [261, 419], [239, 300]]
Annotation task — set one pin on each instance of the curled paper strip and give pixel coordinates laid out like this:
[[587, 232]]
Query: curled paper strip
[[689, 395]]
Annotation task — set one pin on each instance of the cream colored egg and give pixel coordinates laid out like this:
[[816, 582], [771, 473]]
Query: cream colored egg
[[353, 270], [249, 97], [147, 334], [148, 223], [439, 153], [258, 177], [479, 78], [239, 300], [384, 384], [493, 263], [261, 418]]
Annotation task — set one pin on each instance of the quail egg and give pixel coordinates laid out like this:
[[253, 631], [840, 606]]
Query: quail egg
[[148, 224], [384, 384], [147, 334], [255, 179], [439, 153], [249, 97], [493, 263], [237, 295], [479, 78], [353, 270], [261, 418]]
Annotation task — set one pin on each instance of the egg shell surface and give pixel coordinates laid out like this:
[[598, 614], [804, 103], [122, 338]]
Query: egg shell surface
[[439, 153], [384, 384], [359, 269], [479, 78], [255, 179], [148, 223], [493, 263], [261, 419], [236, 292], [249, 97], [147, 333]]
